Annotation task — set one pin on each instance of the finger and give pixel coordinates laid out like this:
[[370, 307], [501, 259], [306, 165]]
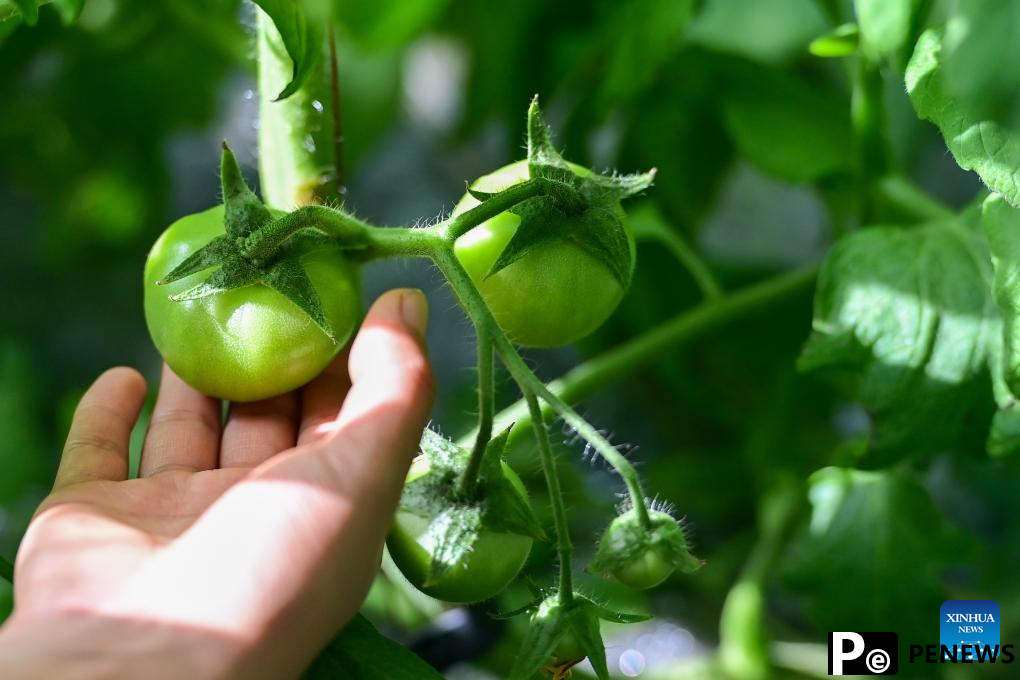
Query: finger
[[257, 430], [320, 513], [184, 431], [97, 444], [321, 400]]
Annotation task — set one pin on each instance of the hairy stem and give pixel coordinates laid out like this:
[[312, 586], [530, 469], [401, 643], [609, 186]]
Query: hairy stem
[[455, 227], [486, 411], [587, 378], [564, 548], [867, 115]]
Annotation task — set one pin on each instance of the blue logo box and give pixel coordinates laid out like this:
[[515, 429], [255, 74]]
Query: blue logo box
[[971, 625]]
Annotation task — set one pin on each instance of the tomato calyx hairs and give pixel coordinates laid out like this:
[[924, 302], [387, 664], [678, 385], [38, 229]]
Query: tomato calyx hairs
[[456, 521], [580, 209], [643, 555], [277, 266], [561, 635]]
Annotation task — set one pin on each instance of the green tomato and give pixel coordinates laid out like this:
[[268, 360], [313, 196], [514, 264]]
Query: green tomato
[[492, 564], [249, 343], [647, 570], [554, 295]]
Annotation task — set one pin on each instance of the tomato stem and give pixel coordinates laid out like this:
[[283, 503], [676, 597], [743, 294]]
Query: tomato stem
[[678, 246], [486, 411], [564, 548], [455, 227]]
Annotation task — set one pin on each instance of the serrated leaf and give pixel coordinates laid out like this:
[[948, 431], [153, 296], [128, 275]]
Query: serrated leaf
[[235, 273], [360, 652], [977, 143], [544, 632], [289, 278], [243, 211], [450, 537], [909, 314], [584, 624], [784, 126], [302, 36], [885, 25], [212, 254], [442, 453], [841, 41], [29, 11]]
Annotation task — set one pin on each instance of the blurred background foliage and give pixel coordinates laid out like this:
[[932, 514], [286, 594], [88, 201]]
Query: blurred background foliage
[[109, 130]]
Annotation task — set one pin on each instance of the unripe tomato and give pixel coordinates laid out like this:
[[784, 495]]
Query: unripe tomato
[[494, 561], [643, 557], [648, 570], [249, 343], [554, 295]]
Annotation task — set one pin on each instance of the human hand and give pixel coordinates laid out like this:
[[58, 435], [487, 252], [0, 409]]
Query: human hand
[[240, 550]]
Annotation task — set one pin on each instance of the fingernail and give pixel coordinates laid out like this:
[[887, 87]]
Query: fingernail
[[414, 308]]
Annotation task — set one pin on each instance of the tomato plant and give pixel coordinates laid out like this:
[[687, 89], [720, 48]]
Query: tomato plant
[[252, 342], [838, 467]]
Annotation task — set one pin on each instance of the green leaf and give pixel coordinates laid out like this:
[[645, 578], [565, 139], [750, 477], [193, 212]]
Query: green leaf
[[644, 35], [869, 530], [289, 278], [360, 652], [885, 25], [977, 144], [784, 126], [244, 212], [910, 315], [449, 538], [765, 30], [981, 51], [841, 41], [303, 37]]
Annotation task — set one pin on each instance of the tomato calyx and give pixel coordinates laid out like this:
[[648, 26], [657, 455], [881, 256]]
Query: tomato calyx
[[561, 635], [578, 208], [279, 267], [643, 556], [457, 521]]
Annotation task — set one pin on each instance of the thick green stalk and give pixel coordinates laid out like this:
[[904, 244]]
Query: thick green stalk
[[587, 378], [297, 140], [486, 412], [564, 548], [868, 119]]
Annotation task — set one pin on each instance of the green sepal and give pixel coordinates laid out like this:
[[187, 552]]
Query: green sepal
[[513, 613], [583, 621], [234, 273], [243, 211], [598, 231], [449, 538], [617, 617], [212, 254], [505, 510], [289, 278], [545, 630]]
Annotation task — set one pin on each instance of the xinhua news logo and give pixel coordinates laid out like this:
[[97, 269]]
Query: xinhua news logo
[[863, 653], [972, 627]]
